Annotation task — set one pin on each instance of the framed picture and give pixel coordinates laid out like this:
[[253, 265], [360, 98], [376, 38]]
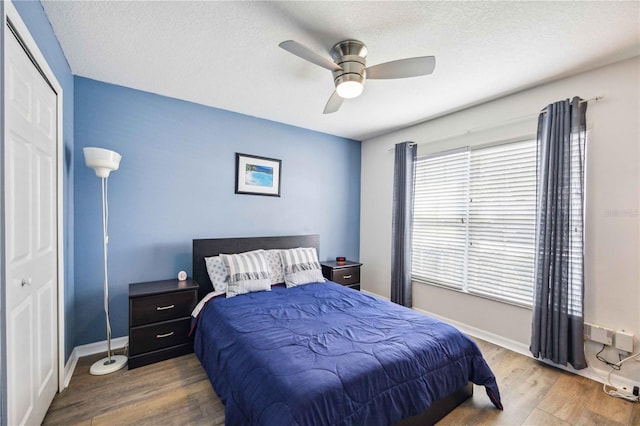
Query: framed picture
[[257, 175]]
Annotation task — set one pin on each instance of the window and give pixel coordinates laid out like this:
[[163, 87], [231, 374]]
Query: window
[[474, 221], [578, 173]]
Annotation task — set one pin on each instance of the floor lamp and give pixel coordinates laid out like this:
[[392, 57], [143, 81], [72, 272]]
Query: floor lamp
[[104, 161]]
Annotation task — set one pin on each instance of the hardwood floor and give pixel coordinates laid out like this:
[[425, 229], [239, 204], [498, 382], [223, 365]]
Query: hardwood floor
[[534, 393], [177, 392], [172, 392]]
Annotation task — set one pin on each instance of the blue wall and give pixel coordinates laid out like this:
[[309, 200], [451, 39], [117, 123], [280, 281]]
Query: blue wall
[[176, 183], [36, 20]]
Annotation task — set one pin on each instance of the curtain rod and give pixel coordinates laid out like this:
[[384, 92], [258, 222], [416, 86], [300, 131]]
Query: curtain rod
[[493, 126], [583, 101]]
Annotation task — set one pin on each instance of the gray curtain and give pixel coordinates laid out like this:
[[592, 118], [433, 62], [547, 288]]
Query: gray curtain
[[557, 329], [403, 178]]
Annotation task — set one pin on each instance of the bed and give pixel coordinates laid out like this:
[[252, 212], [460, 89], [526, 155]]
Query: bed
[[321, 353]]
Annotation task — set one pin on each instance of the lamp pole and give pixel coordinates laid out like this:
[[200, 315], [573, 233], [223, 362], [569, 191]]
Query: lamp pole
[[104, 161]]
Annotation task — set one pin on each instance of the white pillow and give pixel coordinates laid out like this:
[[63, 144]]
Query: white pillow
[[218, 273], [248, 272], [275, 266], [301, 266]]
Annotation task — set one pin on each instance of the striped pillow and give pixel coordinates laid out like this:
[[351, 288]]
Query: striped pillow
[[248, 272], [301, 266]]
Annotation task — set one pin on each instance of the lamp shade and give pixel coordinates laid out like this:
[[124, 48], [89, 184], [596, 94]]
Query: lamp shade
[[103, 161]]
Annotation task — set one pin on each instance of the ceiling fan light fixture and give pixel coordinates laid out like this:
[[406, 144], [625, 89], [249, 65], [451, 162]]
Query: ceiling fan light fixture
[[349, 68], [349, 89]]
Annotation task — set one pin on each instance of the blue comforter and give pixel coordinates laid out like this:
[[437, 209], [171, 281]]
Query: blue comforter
[[323, 354]]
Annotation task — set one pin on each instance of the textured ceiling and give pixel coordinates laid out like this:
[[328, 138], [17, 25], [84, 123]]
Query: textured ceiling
[[226, 54]]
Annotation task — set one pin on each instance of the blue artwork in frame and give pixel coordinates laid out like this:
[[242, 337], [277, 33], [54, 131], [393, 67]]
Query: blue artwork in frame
[[257, 175]]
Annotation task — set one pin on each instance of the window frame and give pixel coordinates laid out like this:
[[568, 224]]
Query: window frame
[[464, 287]]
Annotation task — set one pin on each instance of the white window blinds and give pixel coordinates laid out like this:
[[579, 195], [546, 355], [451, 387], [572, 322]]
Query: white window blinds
[[474, 221], [576, 269], [439, 219]]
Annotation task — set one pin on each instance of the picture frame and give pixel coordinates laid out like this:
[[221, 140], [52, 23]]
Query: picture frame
[[257, 175]]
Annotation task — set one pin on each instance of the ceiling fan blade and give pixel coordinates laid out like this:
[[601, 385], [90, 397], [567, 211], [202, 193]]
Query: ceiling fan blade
[[308, 55], [333, 104], [403, 68]]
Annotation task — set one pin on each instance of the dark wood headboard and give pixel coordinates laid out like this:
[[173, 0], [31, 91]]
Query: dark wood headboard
[[214, 246]]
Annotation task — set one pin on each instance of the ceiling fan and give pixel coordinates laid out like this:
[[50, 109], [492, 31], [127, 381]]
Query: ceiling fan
[[349, 68]]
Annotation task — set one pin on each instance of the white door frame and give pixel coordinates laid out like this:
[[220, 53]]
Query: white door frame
[[11, 14]]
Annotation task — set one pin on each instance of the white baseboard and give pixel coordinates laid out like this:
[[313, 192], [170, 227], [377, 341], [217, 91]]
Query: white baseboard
[[69, 368], [90, 349], [590, 372], [373, 294]]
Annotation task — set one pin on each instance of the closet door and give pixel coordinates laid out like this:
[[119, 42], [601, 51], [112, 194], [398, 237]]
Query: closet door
[[30, 237]]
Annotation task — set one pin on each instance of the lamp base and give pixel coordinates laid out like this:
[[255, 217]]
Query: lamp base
[[103, 366]]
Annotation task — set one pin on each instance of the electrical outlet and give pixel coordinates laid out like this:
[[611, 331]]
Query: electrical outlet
[[587, 331], [601, 334], [624, 341]]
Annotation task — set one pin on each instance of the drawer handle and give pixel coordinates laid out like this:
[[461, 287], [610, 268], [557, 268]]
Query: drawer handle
[[164, 308], [346, 277], [160, 336]]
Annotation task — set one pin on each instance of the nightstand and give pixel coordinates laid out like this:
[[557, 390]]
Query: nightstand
[[346, 273], [160, 320]]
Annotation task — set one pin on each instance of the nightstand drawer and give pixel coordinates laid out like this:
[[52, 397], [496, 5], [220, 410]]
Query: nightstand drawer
[[157, 336], [346, 276], [162, 307]]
